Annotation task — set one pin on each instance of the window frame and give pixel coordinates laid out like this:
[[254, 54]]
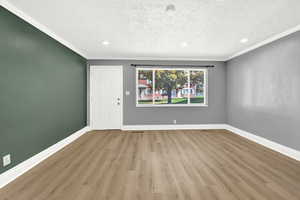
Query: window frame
[[153, 69]]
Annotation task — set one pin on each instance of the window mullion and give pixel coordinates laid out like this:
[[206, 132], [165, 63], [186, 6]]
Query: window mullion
[[189, 92], [205, 86], [153, 87]]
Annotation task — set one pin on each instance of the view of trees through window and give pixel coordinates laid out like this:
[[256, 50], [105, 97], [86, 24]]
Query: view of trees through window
[[171, 86]]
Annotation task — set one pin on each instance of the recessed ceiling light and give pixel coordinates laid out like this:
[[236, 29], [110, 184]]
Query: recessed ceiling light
[[184, 44], [244, 40], [170, 8], [105, 42]]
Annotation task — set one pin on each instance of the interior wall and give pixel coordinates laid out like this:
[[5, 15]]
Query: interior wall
[[263, 91], [214, 113], [43, 90]]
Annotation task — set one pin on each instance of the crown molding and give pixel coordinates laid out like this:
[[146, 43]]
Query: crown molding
[[265, 42], [47, 31], [220, 59], [39, 26]]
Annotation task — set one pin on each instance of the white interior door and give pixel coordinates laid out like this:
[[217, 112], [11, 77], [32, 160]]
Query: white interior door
[[106, 89]]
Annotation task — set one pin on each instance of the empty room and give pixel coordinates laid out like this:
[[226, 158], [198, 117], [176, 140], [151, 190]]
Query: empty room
[[150, 100]]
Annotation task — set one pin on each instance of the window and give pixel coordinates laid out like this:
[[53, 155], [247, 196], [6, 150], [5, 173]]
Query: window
[[171, 87]]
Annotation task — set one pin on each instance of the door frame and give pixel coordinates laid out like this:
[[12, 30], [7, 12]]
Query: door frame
[[115, 67]]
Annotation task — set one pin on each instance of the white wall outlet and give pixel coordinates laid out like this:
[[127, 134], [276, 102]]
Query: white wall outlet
[[174, 121], [127, 93], [6, 160]]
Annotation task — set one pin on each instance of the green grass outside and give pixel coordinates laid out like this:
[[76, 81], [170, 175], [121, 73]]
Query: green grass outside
[[197, 100], [174, 101], [145, 102]]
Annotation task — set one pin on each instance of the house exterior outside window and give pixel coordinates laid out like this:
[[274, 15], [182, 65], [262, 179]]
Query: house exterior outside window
[[171, 87]]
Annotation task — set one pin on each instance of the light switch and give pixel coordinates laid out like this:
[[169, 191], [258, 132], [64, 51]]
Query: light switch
[[127, 93], [6, 160]]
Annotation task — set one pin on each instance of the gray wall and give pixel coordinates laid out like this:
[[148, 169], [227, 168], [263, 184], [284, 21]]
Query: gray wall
[[42, 90], [263, 91], [214, 113]]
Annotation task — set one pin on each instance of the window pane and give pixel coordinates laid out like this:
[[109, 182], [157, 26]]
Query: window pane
[[171, 87], [145, 87], [196, 87]]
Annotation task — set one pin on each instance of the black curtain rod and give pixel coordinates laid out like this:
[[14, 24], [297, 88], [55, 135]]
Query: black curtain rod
[[156, 65]]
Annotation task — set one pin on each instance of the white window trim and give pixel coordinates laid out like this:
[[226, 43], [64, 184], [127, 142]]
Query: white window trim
[[205, 88]]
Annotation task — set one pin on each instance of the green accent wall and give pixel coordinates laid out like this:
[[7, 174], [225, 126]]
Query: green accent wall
[[42, 90]]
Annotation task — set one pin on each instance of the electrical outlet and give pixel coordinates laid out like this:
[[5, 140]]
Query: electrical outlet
[[174, 121], [6, 160]]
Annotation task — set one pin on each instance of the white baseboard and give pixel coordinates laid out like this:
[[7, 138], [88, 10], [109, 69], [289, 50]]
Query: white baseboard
[[173, 127], [26, 165], [292, 153]]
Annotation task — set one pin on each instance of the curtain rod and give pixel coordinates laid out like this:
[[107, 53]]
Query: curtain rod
[[156, 65]]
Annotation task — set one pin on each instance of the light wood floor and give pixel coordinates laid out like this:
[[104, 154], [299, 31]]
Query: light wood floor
[[160, 165]]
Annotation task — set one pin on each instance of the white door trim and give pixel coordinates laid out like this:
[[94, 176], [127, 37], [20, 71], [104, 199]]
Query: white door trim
[[115, 67]]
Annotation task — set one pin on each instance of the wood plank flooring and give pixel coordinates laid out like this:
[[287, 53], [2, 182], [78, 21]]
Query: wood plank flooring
[[160, 165]]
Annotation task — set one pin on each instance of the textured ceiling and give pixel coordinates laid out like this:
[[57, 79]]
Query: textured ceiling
[[143, 29]]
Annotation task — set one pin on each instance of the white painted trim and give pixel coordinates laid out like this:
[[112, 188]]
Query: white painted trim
[[287, 151], [138, 58], [267, 41], [9, 6], [292, 153], [41, 27], [173, 127], [220, 59], [26, 165]]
